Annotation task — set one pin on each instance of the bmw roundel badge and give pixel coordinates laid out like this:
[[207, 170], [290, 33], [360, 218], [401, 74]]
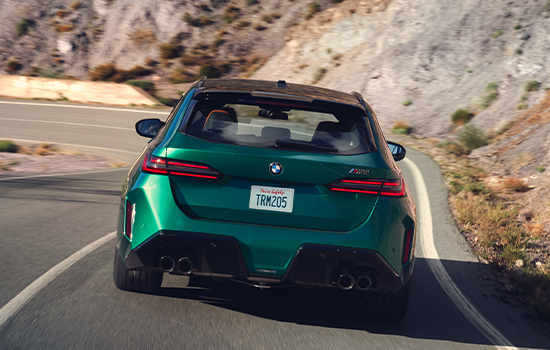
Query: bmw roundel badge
[[276, 168]]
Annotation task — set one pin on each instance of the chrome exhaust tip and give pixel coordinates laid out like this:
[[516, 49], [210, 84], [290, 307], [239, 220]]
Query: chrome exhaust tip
[[364, 282], [167, 264], [185, 265], [346, 281]]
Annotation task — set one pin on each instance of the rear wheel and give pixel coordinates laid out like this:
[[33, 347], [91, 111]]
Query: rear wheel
[[135, 280], [385, 306]]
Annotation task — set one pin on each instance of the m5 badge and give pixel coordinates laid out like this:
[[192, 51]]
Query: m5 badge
[[359, 171]]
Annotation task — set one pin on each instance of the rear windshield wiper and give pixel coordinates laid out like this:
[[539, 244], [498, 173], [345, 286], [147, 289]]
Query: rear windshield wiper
[[303, 145]]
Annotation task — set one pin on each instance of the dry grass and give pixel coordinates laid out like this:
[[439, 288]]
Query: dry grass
[[515, 184], [487, 210], [143, 36], [44, 149]]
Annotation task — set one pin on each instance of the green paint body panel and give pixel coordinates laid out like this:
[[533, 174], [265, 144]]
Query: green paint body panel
[[266, 247]]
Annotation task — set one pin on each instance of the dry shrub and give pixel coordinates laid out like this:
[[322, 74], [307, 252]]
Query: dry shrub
[[231, 13], [168, 51], [453, 148], [62, 13], [242, 24], [181, 76], [535, 229], [44, 150], [75, 5], [103, 72], [461, 116], [13, 66], [149, 62], [514, 184], [63, 28], [144, 36]]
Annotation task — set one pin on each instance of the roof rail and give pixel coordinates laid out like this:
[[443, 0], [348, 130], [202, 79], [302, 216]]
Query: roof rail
[[201, 81]]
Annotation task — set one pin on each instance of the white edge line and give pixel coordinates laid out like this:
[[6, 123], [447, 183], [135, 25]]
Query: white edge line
[[437, 268], [13, 178], [70, 144], [67, 123], [85, 107], [15, 304]]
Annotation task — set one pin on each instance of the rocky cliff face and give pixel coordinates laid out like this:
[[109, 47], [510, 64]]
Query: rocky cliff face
[[71, 37], [418, 61]]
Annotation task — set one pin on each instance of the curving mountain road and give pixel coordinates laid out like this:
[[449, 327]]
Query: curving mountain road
[[51, 297]]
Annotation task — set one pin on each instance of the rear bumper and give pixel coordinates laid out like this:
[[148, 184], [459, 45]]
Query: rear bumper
[[312, 265]]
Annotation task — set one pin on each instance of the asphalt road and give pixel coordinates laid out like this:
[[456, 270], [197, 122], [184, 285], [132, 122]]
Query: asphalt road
[[44, 220]]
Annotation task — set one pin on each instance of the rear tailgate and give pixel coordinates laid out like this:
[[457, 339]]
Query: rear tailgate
[[247, 192]]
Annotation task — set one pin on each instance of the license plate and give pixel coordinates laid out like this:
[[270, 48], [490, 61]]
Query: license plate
[[271, 198]]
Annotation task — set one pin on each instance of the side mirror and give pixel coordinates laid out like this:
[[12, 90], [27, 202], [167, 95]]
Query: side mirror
[[149, 127], [398, 152]]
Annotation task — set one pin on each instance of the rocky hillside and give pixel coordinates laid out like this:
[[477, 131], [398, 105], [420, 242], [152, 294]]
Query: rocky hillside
[[71, 37], [420, 60], [416, 61]]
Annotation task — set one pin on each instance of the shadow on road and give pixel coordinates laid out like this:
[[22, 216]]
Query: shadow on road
[[432, 315]]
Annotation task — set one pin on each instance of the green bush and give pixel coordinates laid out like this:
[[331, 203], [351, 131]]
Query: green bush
[[461, 116], [401, 128], [472, 137], [486, 100], [407, 103], [8, 146], [491, 87], [145, 85], [22, 27], [532, 85], [497, 34], [319, 75]]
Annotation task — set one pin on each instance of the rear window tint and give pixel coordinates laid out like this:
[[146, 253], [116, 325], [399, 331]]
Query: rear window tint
[[280, 127]]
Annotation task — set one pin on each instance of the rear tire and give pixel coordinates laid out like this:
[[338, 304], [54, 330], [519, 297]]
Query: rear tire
[[385, 306], [135, 280]]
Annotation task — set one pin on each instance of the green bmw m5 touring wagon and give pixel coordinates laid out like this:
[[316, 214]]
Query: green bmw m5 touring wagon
[[270, 184]]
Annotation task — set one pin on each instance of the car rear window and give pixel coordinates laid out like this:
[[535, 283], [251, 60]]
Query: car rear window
[[280, 126]]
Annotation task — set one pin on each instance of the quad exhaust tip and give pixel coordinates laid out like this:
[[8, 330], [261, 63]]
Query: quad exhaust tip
[[185, 265], [364, 282], [346, 281], [167, 264]]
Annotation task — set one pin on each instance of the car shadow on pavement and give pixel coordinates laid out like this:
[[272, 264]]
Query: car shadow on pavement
[[431, 315]]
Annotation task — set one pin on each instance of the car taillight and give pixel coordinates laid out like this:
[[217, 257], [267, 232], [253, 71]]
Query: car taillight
[[154, 164], [164, 166], [129, 219], [407, 246], [392, 188]]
